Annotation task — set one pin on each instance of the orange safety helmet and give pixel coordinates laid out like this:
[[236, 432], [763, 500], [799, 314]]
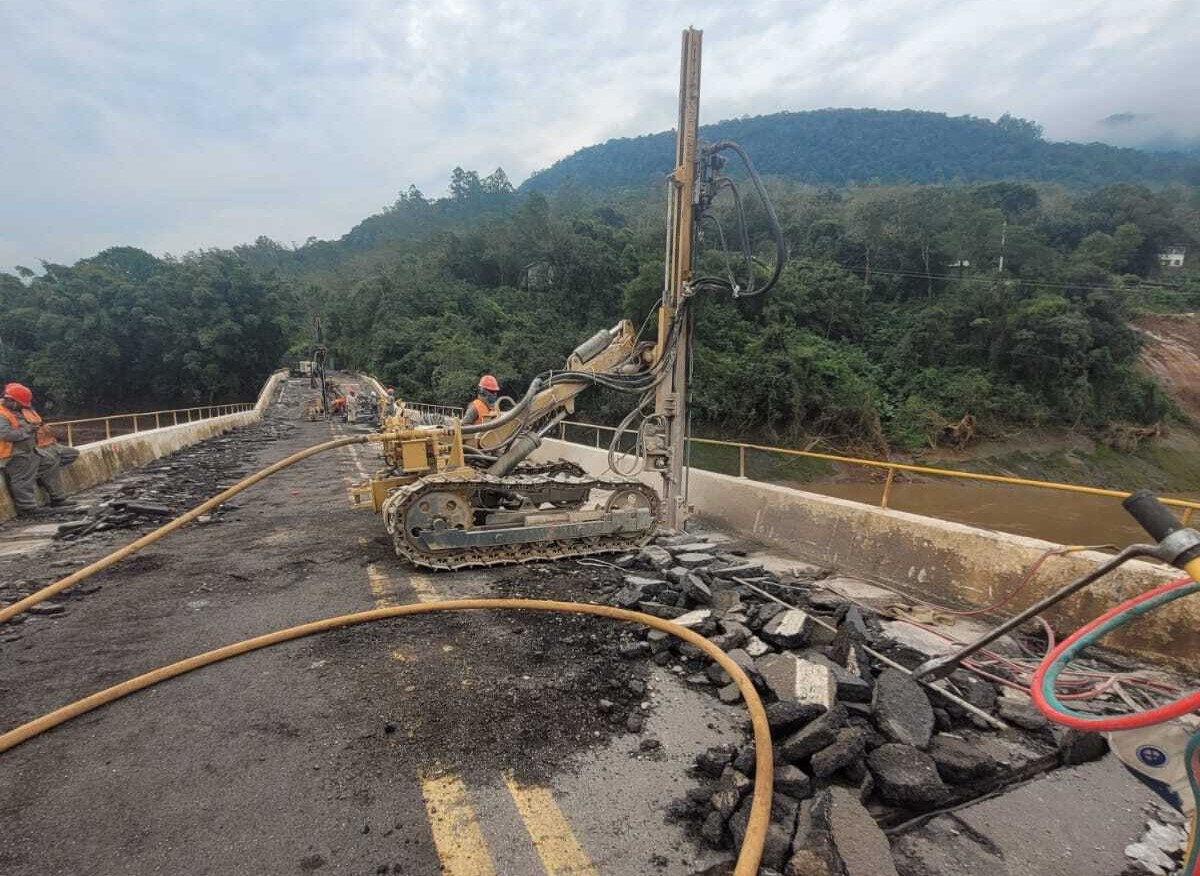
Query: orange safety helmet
[[489, 383], [20, 393]]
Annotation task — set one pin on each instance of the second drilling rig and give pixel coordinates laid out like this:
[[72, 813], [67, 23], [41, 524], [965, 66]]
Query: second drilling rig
[[454, 496]]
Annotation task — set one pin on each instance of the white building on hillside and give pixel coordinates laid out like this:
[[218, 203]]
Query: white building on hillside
[[1172, 256]]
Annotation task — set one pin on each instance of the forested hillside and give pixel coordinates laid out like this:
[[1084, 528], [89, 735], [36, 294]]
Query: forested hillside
[[845, 146], [893, 321], [124, 328]]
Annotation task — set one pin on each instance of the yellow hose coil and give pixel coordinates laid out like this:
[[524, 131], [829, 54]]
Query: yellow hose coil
[[750, 853]]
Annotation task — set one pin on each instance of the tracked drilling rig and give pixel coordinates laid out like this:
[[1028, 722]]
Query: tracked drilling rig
[[454, 496]]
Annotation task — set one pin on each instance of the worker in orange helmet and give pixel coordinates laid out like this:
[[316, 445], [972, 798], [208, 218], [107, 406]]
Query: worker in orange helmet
[[30, 453], [483, 407]]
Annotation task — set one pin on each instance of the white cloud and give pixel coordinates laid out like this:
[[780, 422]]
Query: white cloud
[[175, 127]]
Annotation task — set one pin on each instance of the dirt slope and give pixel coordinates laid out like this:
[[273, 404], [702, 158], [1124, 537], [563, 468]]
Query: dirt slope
[[1172, 354]]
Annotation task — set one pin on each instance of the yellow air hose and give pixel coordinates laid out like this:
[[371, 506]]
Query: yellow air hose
[[151, 537], [750, 853]]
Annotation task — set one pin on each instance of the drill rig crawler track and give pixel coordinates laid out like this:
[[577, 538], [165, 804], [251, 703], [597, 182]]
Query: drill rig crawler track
[[459, 519]]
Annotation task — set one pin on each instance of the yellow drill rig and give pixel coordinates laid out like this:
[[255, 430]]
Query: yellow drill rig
[[455, 496]]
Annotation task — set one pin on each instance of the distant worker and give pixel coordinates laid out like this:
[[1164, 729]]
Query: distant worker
[[352, 407], [483, 407], [389, 402], [30, 454]]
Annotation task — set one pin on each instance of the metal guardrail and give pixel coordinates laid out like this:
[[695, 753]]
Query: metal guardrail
[[893, 467], [89, 427], [434, 410]]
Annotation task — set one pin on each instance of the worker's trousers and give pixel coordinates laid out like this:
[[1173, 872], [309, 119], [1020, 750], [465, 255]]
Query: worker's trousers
[[44, 466]]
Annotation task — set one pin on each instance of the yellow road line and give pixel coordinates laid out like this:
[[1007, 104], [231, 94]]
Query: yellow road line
[[423, 587], [552, 836], [456, 833], [381, 587]]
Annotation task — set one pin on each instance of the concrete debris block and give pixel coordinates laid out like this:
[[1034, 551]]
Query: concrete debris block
[[744, 661], [656, 557], [693, 560], [975, 690], [725, 599], [628, 597], [729, 694], [693, 547], [813, 852], [850, 745], [647, 585], [906, 776], [47, 608], [745, 762], [625, 561], [738, 570], [786, 716], [669, 537], [779, 831], [633, 650], [792, 781], [716, 674], [660, 640], [1076, 746], [693, 619], [713, 830], [788, 629], [713, 761], [851, 688], [820, 733], [790, 678], [824, 600], [695, 589], [1023, 715], [732, 635], [861, 845], [807, 571], [675, 574], [958, 761], [902, 711], [1151, 858], [151, 509], [666, 612], [768, 610], [756, 647], [726, 801], [698, 678], [667, 596]]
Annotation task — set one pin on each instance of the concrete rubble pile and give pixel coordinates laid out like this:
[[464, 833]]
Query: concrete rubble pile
[[138, 502], [859, 746]]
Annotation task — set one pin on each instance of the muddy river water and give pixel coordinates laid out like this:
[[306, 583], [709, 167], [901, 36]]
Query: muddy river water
[[1065, 518]]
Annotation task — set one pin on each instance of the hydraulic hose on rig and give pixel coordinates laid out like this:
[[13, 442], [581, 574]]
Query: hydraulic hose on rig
[[1148, 756], [750, 853], [149, 538]]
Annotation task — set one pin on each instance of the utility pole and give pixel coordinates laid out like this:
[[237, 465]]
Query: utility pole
[[670, 398]]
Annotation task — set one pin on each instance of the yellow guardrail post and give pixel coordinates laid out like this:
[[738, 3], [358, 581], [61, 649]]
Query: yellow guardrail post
[[135, 424], [107, 427], [741, 460], [70, 437], [887, 488]]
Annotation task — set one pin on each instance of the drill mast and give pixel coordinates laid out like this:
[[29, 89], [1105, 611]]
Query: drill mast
[[671, 396]]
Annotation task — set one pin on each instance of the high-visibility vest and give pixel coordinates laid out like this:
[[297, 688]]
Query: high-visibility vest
[[45, 437], [484, 410]]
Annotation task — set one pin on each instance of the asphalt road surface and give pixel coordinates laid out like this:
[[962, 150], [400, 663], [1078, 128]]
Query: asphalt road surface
[[472, 744]]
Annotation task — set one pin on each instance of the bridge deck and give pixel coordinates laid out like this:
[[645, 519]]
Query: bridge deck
[[466, 744]]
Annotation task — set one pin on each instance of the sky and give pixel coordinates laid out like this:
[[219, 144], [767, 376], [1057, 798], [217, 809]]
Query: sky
[[180, 125]]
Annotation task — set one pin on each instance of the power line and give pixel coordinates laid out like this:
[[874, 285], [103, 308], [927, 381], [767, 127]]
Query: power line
[[918, 275]]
